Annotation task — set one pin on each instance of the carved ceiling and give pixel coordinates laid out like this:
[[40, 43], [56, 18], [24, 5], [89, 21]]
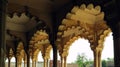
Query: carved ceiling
[[20, 23], [41, 6]]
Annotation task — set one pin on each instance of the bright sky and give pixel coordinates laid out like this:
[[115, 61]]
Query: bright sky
[[82, 46]]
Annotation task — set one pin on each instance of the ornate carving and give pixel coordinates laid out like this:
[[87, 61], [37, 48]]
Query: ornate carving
[[86, 22], [11, 54], [40, 42]]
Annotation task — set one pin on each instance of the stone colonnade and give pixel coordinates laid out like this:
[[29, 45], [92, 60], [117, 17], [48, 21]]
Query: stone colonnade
[[96, 43]]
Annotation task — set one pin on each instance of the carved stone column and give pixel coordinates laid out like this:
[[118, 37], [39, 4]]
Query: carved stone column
[[9, 62], [2, 32], [25, 60], [97, 56], [54, 55], [65, 61], [16, 60], [116, 38], [33, 63], [45, 62], [28, 60], [99, 59], [62, 62], [25, 63], [33, 60], [19, 61]]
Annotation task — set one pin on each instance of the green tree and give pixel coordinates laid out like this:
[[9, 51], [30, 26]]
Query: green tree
[[82, 61], [110, 59], [104, 63]]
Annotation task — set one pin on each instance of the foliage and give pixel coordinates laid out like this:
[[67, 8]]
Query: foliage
[[104, 63], [82, 61], [109, 59]]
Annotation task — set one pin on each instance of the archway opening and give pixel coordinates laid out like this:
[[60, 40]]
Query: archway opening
[[80, 53], [40, 60], [108, 52], [6, 62], [51, 59], [13, 62]]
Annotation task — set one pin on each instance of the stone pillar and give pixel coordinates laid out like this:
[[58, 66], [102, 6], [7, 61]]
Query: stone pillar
[[116, 38], [19, 61], [54, 56], [19, 64], [34, 59], [2, 32], [25, 63], [28, 60], [9, 62], [25, 60], [16, 60], [62, 62], [65, 61], [97, 56], [45, 62], [33, 62], [99, 59]]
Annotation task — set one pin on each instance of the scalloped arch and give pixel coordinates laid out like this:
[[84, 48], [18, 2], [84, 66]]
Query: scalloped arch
[[84, 21]]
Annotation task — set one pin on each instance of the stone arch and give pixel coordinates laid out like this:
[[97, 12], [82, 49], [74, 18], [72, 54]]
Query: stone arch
[[40, 42], [20, 54], [87, 22]]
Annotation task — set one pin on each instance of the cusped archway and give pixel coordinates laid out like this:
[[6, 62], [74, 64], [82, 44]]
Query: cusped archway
[[40, 42], [86, 22]]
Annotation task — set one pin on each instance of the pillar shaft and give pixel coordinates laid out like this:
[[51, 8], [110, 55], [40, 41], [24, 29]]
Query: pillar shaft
[[16, 61], [55, 56], [62, 63], [116, 38], [2, 32], [97, 58], [9, 62], [28, 60], [19, 64], [116, 50], [45, 62], [33, 63], [65, 61], [24, 63]]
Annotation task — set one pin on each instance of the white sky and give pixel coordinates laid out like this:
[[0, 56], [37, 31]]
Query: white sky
[[82, 46]]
